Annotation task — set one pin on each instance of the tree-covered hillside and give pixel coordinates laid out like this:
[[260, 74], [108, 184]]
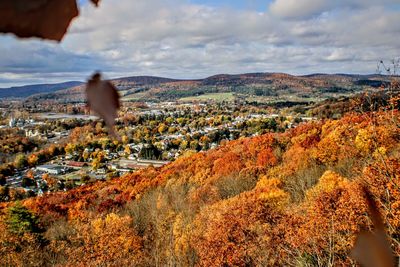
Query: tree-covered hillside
[[289, 199], [256, 86]]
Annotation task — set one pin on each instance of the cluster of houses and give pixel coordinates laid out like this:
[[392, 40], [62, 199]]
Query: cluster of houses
[[39, 185], [59, 170], [116, 161]]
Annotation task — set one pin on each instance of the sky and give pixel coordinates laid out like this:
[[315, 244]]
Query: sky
[[198, 38]]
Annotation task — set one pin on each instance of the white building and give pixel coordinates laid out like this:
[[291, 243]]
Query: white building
[[52, 169], [13, 122]]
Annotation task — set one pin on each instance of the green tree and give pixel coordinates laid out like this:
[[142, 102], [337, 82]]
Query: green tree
[[20, 220], [20, 161], [181, 121], [150, 152]]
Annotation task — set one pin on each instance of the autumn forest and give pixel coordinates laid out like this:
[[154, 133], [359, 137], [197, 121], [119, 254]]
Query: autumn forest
[[298, 198]]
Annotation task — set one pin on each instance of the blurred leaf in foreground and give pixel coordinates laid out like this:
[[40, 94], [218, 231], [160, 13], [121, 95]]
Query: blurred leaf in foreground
[[372, 249], [95, 2], [103, 98], [46, 19]]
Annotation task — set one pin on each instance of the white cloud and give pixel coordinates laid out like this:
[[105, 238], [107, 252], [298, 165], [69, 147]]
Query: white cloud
[[177, 39], [303, 9], [299, 8]]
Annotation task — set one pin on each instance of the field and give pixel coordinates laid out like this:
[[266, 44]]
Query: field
[[218, 97], [133, 97], [284, 98]]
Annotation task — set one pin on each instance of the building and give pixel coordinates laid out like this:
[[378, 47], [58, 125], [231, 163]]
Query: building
[[32, 133], [76, 164], [52, 169], [12, 123]]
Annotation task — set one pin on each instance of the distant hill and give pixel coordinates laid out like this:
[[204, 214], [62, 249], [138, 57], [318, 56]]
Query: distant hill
[[249, 86], [28, 90], [144, 80]]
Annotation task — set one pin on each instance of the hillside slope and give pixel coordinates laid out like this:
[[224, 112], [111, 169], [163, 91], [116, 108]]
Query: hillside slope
[[144, 88], [276, 199], [28, 90]]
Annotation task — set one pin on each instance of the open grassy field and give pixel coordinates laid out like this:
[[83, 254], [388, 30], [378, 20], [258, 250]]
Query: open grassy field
[[269, 99], [75, 175], [136, 96], [218, 97]]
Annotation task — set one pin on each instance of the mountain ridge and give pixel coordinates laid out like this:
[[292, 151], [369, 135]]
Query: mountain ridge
[[31, 89], [162, 88]]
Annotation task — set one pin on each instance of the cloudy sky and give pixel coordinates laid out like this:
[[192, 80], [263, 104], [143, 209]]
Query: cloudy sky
[[198, 38]]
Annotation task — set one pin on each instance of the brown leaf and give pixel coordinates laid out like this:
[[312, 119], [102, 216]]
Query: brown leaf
[[103, 98], [47, 19], [373, 249], [95, 2]]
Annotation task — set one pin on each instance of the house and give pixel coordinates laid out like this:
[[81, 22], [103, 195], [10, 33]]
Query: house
[[76, 164], [113, 166], [32, 133], [123, 170], [132, 157], [101, 171]]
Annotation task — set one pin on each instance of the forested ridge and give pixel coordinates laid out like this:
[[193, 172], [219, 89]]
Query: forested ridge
[[143, 88], [279, 199]]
